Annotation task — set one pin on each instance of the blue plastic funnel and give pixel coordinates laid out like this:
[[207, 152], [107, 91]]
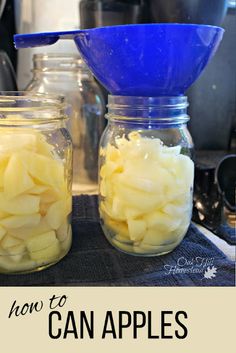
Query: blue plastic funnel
[[140, 60]]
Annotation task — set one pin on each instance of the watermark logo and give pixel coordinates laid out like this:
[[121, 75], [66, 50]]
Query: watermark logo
[[210, 272], [197, 265]]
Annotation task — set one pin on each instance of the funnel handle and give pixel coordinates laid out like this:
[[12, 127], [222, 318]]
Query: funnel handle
[[42, 39]]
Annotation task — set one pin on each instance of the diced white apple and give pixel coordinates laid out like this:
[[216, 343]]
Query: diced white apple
[[46, 255], [156, 237], [184, 170], [133, 213], [38, 189], [16, 252], [3, 164], [40, 242], [122, 246], [50, 196], [123, 239], [21, 221], [118, 227], [7, 265], [109, 168], [161, 221], [14, 141], [47, 171], [117, 210], [62, 231], [2, 232], [57, 212], [8, 241], [137, 229], [20, 205], [176, 211], [138, 199], [16, 178], [141, 183], [102, 188], [27, 232]]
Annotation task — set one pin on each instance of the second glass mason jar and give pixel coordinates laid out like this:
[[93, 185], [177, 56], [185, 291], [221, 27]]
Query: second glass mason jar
[[35, 182], [146, 174], [69, 76]]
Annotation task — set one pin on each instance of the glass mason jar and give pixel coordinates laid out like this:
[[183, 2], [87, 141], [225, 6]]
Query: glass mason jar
[[35, 182], [69, 75], [146, 174]]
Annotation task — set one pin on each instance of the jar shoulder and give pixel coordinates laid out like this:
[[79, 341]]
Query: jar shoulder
[[169, 136]]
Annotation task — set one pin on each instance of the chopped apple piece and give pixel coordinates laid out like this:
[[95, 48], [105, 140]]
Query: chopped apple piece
[[16, 178], [41, 241], [21, 221], [66, 243], [10, 266], [50, 195], [28, 232], [162, 221], [120, 228], [156, 237], [47, 171], [3, 164], [56, 213], [120, 245], [138, 199], [15, 141], [3, 215], [48, 254], [20, 205], [8, 241], [62, 231], [38, 189], [137, 229], [2, 232], [16, 252]]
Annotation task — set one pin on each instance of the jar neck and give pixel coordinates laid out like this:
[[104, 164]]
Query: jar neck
[[161, 111], [19, 109], [60, 64]]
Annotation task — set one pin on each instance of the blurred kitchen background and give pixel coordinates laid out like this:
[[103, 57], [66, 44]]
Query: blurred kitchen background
[[212, 98]]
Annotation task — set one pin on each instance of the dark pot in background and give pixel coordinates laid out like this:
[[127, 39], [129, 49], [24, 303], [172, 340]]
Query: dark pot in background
[[209, 12], [100, 13]]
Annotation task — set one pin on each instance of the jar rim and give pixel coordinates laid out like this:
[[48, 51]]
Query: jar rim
[[166, 110], [58, 62], [167, 101], [22, 107]]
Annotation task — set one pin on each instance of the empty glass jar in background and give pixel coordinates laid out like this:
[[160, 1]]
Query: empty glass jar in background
[[35, 182], [68, 75], [146, 174]]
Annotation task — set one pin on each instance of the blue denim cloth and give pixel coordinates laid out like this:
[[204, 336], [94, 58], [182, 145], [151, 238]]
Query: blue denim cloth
[[92, 261], [227, 233]]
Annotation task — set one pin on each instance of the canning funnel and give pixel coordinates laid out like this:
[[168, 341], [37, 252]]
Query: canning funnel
[[143, 59]]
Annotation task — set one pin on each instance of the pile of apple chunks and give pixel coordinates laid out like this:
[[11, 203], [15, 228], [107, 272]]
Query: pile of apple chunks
[[35, 203], [146, 194]]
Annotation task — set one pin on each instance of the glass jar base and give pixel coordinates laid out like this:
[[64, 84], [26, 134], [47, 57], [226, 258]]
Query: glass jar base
[[28, 268], [145, 250], [37, 269]]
